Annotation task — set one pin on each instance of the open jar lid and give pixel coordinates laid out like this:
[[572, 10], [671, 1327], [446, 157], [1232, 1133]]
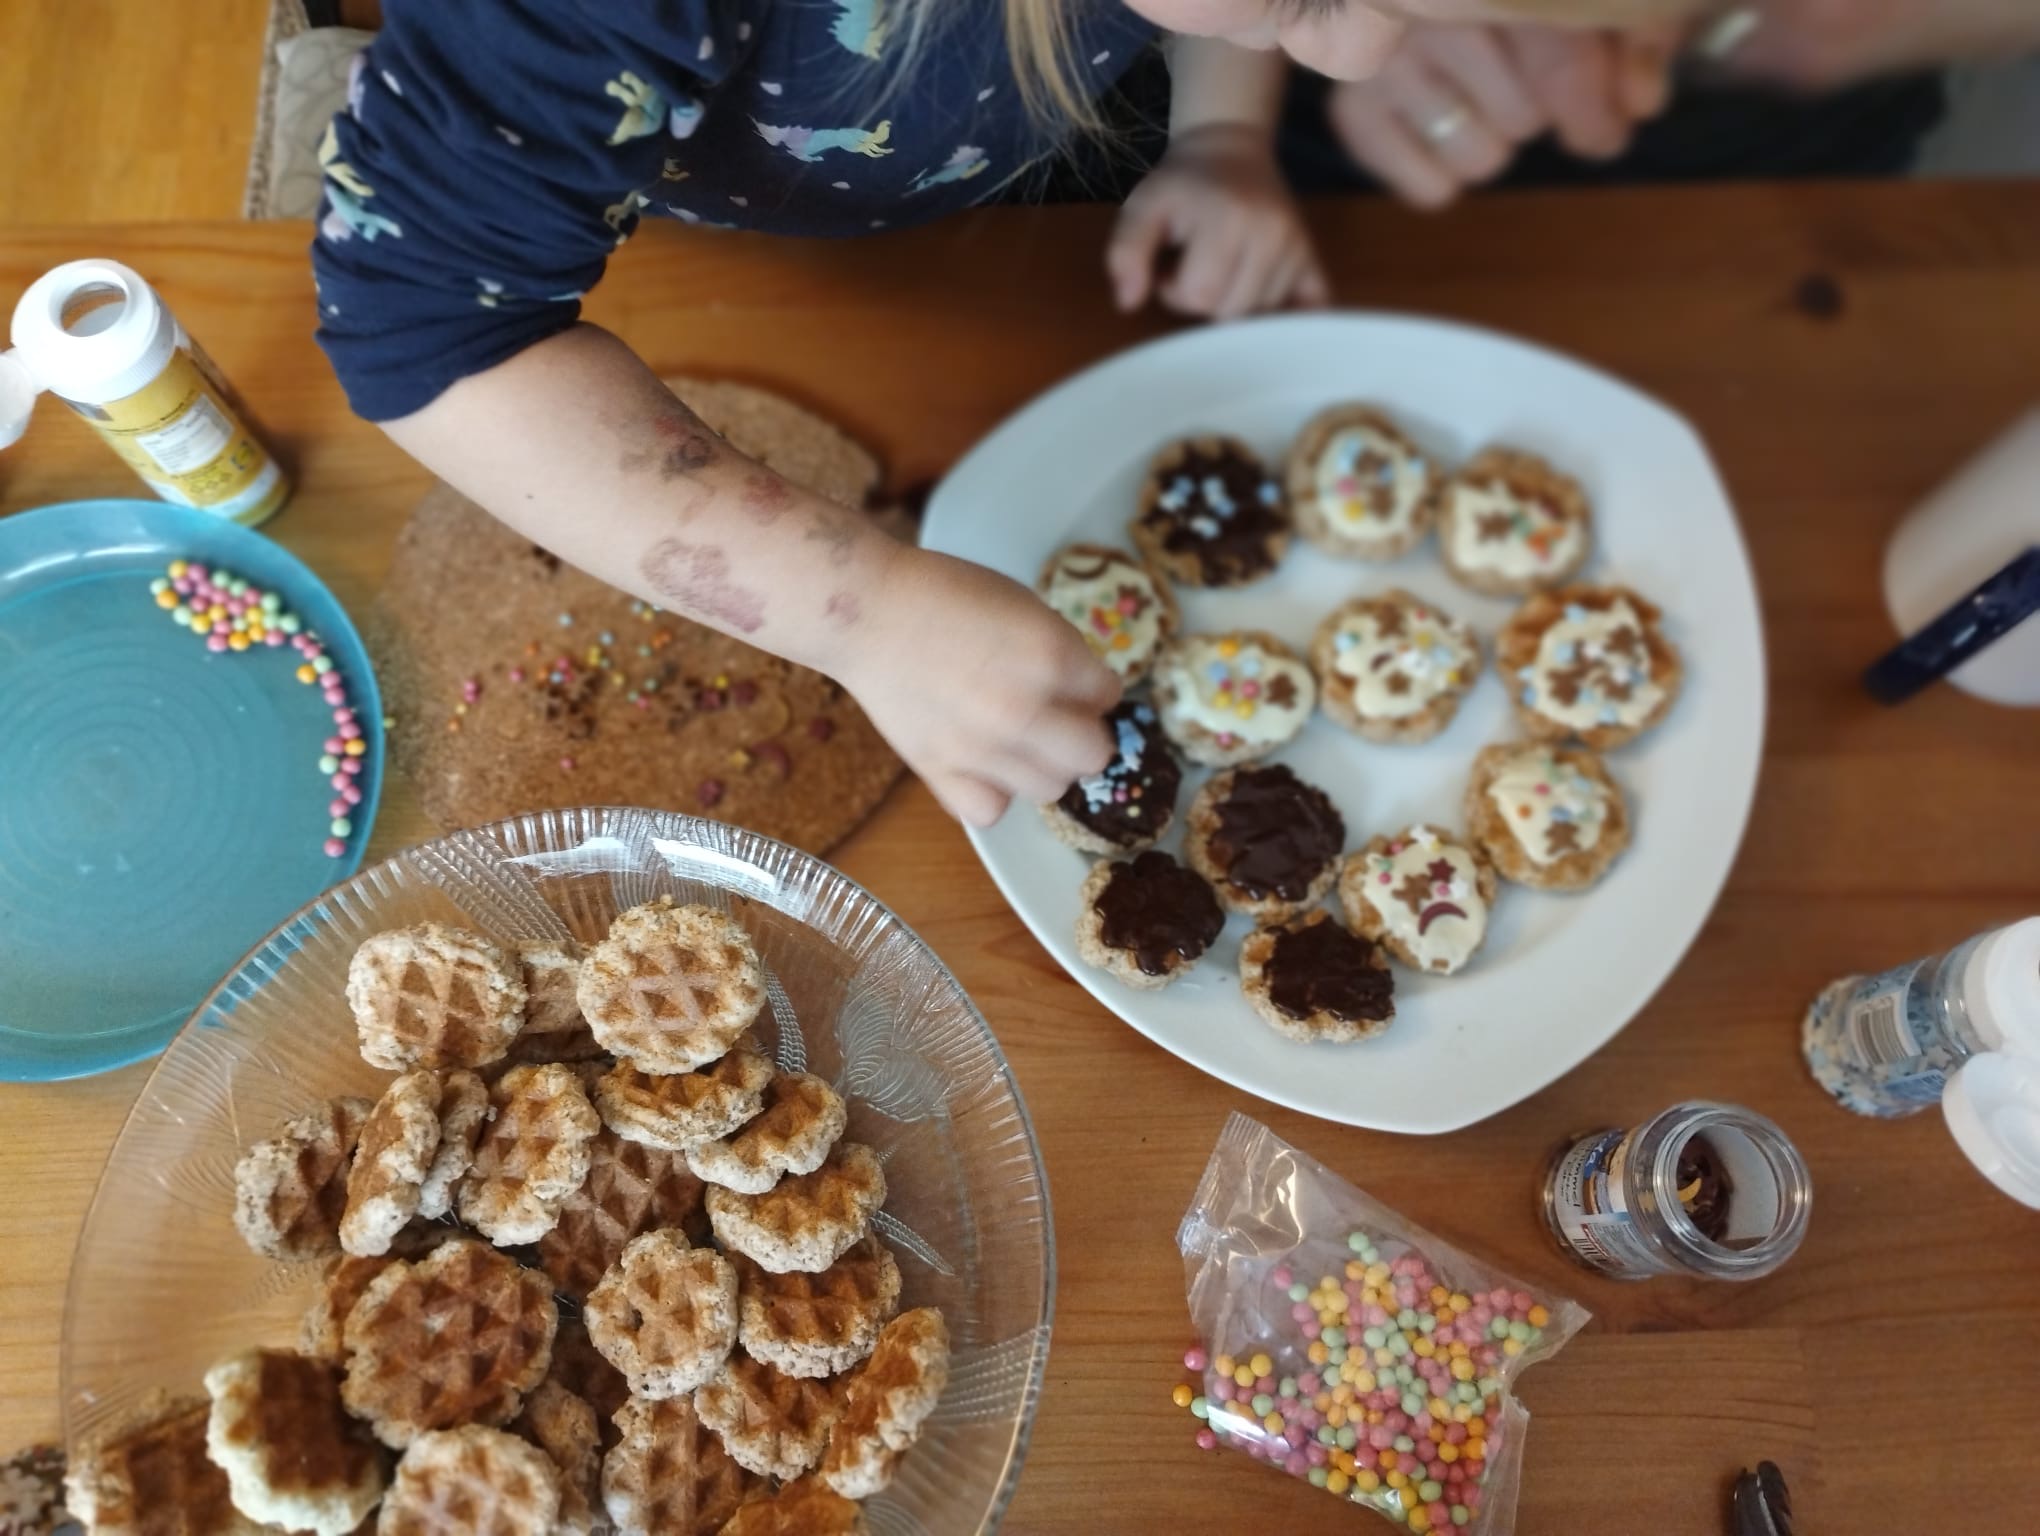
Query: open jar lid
[[1992, 1106]]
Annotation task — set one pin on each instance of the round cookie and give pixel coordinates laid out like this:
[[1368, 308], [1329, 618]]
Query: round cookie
[[1129, 804], [1312, 980], [1233, 698], [1121, 608], [1548, 817], [1358, 487], [1268, 842], [1211, 515], [1393, 668], [1510, 524], [1588, 662], [1146, 920], [1422, 895]]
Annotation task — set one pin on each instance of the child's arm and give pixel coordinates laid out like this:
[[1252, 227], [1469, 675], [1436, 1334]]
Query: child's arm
[[1218, 195], [573, 442]]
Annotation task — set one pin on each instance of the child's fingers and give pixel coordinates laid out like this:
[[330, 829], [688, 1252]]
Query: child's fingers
[[1313, 288], [1209, 263], [971, 801], [1135, 247], [1259, 266], [1068, 745]]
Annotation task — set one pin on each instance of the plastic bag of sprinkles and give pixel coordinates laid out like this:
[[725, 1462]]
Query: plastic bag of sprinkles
[[1350, 1347]]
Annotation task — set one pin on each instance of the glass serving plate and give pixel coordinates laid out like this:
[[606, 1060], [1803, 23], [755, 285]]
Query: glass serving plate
[[162, 1285]]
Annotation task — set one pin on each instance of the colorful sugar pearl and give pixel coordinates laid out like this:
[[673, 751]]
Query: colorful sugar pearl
[[1397, 1397], [232, 615]]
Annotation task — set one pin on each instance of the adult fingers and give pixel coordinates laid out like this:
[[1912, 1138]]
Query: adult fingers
[[1472, 62], [1376, 136], [1454, 129], [1572, 76]]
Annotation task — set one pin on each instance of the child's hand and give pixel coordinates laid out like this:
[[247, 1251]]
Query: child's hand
[[1219, 198], [987, 693]]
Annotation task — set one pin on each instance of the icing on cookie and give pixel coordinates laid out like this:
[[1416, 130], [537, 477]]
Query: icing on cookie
[[1497, 527], [1427, 891], [1400, 657], [1238, 691], [1369, 483], [1551, 807], [1130, 799], [1112, 601], [1223, 509], [1592, 668]]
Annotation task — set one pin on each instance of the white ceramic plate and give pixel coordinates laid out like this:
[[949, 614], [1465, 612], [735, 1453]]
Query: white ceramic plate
[[1559, 975]]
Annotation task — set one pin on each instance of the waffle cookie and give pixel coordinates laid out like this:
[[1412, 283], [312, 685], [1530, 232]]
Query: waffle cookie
[[578, 1366], [532, 1156], [1146, 920], [458, 1337], [291, 1454], [808, 1507], [472, 1479], [1359, 488], [806, 1221], [630, 1190], [1310, 979], [434, 996], [818, 1324], [1211, 515], [799, 1121], [290, 1191], [1268, 843], [771, 1423], [322, 1333], [1393, 668], [674, 1110], [1123, 609], [665, 1315], [1588, 662], [464, 1109], [669, 1475], [394, 1153], [1422, 895], [885, 1403], [672, 987], [1552, 818], [553, 1027], [150, 1476], [1232, 698], [1510, 524], [562, 1424]]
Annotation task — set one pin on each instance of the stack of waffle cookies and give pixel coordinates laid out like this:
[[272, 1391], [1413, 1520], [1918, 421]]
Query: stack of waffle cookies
[[592, 1263]]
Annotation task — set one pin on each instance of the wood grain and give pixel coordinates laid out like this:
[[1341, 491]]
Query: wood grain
[[1877, 835]]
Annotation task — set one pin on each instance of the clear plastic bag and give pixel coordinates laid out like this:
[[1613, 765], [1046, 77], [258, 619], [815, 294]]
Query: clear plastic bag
[[1409, 1411]]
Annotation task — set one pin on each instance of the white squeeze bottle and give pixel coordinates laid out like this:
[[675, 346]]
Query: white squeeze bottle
[[96, 336]]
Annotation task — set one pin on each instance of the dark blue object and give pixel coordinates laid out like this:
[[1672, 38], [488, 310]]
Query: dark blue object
[[2004, 601], [161, 806]]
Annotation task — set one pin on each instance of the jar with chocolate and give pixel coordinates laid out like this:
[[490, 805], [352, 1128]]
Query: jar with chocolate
[[1703, 1189]]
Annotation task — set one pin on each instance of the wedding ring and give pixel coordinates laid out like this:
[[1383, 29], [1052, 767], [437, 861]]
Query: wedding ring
[[1727, 32], [1443, 125]]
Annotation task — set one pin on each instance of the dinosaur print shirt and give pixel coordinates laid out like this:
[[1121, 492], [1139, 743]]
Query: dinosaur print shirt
[[492, 153]]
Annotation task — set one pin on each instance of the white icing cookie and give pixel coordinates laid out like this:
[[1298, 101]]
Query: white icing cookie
[[1593, 668], [1228, 699], [1399, 655], [1423, 895], [1551, 807], [1511, 524], [1114, 600]]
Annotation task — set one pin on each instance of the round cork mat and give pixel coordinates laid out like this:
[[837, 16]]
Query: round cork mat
[[547, 688]]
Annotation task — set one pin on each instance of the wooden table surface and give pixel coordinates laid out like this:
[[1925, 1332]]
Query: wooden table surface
[[1842, 348]]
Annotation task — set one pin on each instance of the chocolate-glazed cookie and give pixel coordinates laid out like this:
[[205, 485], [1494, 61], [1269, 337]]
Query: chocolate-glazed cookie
[[1146, 920], [1211, 514], [1130, 803], [1310, 979], [1268, 842]]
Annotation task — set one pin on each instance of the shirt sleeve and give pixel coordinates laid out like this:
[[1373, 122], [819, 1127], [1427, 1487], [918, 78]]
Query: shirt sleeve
[[491, 155]]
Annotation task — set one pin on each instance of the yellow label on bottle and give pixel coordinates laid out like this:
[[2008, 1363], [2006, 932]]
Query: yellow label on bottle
[[182, 436]]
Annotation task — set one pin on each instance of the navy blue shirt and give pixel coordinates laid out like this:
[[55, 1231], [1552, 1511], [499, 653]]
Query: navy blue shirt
[[494, 152]]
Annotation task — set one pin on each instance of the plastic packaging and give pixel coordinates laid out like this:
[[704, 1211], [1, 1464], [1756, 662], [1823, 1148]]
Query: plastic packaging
[[1389, 1355], [1703, 1189], [96, 335]]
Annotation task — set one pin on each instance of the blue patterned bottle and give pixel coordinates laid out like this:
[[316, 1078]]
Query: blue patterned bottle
[[1887, 1044]]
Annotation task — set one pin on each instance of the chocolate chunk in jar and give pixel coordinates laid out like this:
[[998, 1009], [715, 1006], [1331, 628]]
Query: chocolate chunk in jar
[[1276, 834], [1704, 1188], [1130, 801], [1321, 968], [1215, 513], [1159, 912]]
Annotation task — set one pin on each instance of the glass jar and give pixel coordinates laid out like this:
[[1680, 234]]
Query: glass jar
[[1703, 1189]]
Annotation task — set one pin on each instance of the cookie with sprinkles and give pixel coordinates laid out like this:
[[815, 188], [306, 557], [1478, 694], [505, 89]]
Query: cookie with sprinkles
[[1129, 804], [1233, 698], [1548, 817], [1211, 514], [1588, 662], [1310, 979], [1123, 609], [1268, 842], [1146, 920], [1393, 668], [1358, 487], [1422, 895], [1510, 524]]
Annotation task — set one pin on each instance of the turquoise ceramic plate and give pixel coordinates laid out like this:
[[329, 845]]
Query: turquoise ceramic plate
[[161, 806]]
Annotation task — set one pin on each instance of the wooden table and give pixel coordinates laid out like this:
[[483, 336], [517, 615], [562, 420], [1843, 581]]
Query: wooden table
[[1842, 349]]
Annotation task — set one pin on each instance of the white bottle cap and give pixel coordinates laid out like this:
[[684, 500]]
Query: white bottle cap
[[18, 390], [108, 350], [1992, 1107], [2001, 988]]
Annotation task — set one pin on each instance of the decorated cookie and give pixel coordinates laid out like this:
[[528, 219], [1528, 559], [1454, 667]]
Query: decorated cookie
[[1549, 817], [1312, 980], [1393, 668], [1509, 524], [1211, 515], [1589, 662], [1268, 842], [1422, 895], [1120, 606], [1358, 487], [1227, 699], [1146, 920], [1129, 805]]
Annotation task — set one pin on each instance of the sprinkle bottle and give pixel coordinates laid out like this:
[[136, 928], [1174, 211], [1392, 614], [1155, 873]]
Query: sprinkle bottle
[[1887, 1044], [95, 335], [1704, 1189]]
